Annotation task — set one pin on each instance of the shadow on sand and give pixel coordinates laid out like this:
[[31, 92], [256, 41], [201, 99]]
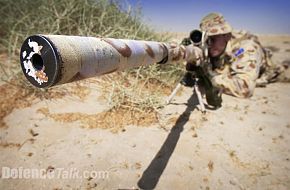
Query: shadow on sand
[[151, 175]]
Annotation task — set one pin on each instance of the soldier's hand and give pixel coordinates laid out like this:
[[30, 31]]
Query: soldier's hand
[[193, 55]]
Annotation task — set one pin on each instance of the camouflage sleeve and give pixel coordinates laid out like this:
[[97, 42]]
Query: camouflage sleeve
[[239, 79]]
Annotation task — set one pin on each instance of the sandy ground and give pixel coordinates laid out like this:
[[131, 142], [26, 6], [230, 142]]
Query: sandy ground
[[242, 145]]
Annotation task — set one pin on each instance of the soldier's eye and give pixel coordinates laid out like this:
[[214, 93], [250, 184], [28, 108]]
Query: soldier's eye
[[209, 42]]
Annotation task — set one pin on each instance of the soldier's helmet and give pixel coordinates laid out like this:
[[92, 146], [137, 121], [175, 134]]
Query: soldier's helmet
[[215, 24]]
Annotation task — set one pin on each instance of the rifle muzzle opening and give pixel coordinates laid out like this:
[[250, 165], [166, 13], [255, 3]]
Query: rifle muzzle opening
[[37, 62]]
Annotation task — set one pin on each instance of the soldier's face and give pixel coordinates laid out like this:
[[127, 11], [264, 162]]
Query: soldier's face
[[217, 45]]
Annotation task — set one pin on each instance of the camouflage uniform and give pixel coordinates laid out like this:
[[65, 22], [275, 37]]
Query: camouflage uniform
[[244, 63]]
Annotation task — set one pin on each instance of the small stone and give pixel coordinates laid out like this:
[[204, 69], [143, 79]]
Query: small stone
[[30, 154], [210, 166]]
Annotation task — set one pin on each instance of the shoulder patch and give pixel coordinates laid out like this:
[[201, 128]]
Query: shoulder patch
[[239, 52]]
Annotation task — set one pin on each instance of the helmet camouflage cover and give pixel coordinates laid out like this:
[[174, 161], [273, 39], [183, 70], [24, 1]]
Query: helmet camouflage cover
[[215, 24]]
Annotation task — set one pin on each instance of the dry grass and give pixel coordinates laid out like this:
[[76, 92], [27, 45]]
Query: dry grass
[[10, 145], [13, 96], [136, 90], [114, 119]]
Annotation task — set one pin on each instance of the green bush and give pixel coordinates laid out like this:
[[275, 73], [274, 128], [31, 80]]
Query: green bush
[[22, 18]]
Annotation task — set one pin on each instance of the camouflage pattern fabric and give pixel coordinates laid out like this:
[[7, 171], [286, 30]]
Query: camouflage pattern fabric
[[214, 24], [243, 65]]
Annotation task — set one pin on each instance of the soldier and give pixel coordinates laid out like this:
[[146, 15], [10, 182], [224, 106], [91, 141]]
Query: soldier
[[237, 61]]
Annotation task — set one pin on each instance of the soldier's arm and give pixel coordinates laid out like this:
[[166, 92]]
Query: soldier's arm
[[240, 80]]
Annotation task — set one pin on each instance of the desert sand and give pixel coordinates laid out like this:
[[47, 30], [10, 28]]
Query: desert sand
[[242, 145]]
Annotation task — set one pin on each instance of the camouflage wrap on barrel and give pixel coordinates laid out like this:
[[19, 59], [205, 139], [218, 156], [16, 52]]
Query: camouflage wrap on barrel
[[49, 60]]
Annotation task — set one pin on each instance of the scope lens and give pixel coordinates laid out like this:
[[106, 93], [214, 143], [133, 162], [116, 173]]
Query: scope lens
[[196, 36]]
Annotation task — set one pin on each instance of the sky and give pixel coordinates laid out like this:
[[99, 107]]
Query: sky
[[261, 17]]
